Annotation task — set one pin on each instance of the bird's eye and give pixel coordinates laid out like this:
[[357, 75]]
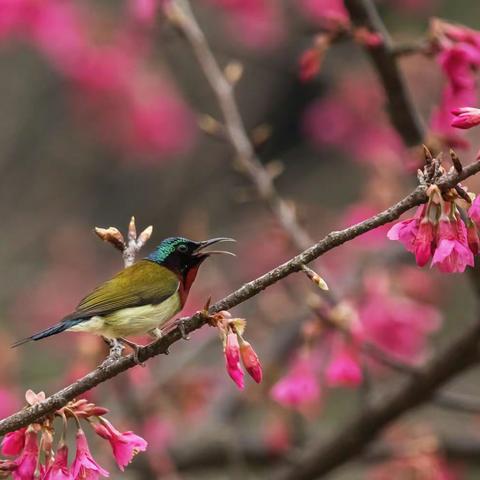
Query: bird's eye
[[182, 248]]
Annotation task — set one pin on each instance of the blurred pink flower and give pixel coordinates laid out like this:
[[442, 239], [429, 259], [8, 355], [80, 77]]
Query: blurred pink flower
[[132, 106], [359, 212], [59, 470], [329, 13], [452, 253], [26, 463], [255, 23], [84, 466], [474, 211], [143, 11], [355, 110], [395, 323], [299, 388], [459, 56], [8, 402], [250, 361], [13, 442], [232, 359], [343, 369], [124, 445], [466, 117]]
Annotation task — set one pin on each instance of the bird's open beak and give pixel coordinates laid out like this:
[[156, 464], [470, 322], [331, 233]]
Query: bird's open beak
[[212, 241]]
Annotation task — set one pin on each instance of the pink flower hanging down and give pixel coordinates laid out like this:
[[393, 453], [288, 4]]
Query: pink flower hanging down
[[124, 445], [250, 361], [406, 231], [232, 359], [343, 370], [84, 466], [59, 469], [299, 387], [474, 211], [466, 117], [26, 463], [452, 254], [13, 442]]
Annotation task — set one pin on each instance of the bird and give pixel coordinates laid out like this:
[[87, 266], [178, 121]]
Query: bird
[[141, 298]]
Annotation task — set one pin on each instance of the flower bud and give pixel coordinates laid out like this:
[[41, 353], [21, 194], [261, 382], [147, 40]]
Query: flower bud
[[250, 361]]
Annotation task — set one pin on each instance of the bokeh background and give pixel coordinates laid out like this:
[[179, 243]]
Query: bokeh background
[[90, 141]]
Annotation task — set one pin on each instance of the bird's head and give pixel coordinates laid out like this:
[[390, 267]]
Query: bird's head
[[181, 254]]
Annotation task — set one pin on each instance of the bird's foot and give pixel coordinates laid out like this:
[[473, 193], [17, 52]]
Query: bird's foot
[[136, 350], [181, 324], [116, 349], [157, 334]]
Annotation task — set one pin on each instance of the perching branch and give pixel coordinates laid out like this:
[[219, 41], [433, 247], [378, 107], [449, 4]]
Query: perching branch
[[332, 240], [403, 113]]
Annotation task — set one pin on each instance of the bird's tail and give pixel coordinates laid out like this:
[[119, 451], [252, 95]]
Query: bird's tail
[[53, 330]]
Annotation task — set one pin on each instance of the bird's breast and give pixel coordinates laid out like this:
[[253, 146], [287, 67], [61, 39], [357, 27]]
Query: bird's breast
[[132, 320]]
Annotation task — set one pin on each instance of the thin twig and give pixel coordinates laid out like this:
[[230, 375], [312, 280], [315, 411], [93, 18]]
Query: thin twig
[[247, 291]]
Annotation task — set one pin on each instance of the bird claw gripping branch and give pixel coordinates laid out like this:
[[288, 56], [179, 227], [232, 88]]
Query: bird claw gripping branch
[[32, 447]]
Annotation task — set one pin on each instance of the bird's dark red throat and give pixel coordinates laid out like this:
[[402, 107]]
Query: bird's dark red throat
[[199, 255]]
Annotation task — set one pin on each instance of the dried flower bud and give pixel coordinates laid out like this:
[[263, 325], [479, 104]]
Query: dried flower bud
[[315, 277], [132, 229], [233, 72], [111, 235], [144, 237]]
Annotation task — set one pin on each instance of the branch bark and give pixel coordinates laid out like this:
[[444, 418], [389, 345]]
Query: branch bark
[[401, 109], [334, 239]]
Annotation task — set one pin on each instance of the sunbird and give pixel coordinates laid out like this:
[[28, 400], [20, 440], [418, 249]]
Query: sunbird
[[140, 298]]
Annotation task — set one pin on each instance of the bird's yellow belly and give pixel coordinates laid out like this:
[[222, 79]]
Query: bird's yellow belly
[[131, 321]]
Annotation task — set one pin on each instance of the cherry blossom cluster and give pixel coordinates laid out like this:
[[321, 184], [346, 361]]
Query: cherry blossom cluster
[[333, 352], [444, 230], [35, 456], [236, 348], [457, 50]]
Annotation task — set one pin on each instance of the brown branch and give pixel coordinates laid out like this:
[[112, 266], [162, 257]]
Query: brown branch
[[234, 128], [332, 240], [403, 113]]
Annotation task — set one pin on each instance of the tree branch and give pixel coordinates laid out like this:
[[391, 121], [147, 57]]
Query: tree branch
[[182, 16], [402, 111], [332, 240]]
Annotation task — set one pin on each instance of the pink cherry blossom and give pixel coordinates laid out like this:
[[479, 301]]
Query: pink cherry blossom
[[255, 23], [343, 370], [329, 13], [397, 324], [124, 445], [406, 231], [424, 241], [143, 11], [466, 117], [26, 463], [84, 466], [452, 253], [59, 469], [250, 361], [474, 211], [299, 388], [13, 442], [232, 359]]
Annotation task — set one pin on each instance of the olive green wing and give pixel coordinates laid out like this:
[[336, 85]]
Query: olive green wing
[[143, 283]]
